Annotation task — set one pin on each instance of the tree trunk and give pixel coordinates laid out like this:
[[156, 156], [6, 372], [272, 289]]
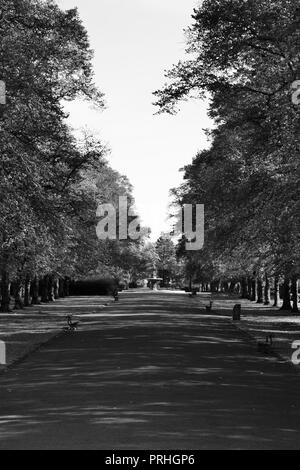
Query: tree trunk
[[294, 289], [267, 291], [286, 305], [259, 291], [50, 289], [61, 289], [27, 292], [244, 289], [253, 290], [34, 290], [232, 286], [249, 287], [44, 289], [216, 286], [17, 295], [164, 274], [225, 287], [276, 292], [56, 288], [5, 294], [67, 286]]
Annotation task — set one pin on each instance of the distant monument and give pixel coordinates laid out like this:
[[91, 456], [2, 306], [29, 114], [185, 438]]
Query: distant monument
[[154, 282]]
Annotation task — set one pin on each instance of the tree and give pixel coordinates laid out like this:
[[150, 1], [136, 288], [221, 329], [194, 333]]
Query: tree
[[45, 58], [243, 54], [166, 254]]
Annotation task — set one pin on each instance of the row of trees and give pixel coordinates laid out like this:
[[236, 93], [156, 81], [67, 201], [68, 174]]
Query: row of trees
[[50, 182], [244, 56]]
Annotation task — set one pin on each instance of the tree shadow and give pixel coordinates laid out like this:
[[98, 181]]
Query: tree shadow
[[149, 375]]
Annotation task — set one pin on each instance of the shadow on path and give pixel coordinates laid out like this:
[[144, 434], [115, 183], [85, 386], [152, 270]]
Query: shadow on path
[[153, 373]]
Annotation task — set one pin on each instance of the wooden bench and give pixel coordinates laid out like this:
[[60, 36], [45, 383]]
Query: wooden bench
[[267, 346]]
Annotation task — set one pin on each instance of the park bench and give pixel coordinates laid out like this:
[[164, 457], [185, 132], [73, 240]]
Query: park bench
[[72, 326], [266, 347], [193, 293]]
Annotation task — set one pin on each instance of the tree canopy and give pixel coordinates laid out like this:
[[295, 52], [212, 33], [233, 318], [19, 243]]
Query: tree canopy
[[244, 56], [50, 182]]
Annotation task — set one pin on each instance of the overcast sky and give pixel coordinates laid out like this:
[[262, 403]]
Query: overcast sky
[[134, 42]]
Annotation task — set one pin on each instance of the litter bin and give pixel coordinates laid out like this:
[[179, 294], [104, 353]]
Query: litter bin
[[236, 313]]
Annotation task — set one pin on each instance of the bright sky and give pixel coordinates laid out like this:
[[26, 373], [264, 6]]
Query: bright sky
[[134, 42]]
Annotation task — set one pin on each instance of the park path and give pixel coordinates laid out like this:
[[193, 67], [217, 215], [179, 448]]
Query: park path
[[152, 371]]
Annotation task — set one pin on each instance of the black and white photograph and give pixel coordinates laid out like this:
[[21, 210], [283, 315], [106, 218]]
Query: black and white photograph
[[150, 228]]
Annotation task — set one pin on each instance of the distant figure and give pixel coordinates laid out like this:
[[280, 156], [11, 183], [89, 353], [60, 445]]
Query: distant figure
[[116, 295]]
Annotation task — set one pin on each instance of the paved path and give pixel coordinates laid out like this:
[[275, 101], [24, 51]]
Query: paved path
[[151, 372]]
